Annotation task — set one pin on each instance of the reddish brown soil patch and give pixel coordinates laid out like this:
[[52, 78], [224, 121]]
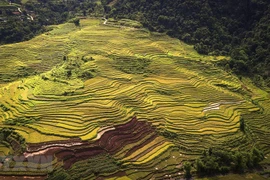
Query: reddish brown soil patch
[[73, 150]]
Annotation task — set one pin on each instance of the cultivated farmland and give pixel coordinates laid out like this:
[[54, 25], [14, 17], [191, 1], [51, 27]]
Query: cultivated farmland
[[141, 101]]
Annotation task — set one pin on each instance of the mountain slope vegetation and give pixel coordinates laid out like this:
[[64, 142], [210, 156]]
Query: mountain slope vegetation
[[239, 28], [22, 20], [142, 101], [122, 96]]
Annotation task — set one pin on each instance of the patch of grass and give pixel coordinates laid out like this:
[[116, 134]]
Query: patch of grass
[[21, 121], [92, 167], [130, 23], [4, 108], [131, 65], [168, 134], [12, 140]]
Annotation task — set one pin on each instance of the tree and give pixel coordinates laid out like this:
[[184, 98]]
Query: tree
[[69, 73], [249, 162], [202, 33], [242, 124], [224, 161], [202, 48], [59, 174], [257, 156], [227, 67], [239, 162], [84, 12], [204, 153], [211, 165], [210, 150], [239, 54], [187, 169], [200, 166], [76, 22]]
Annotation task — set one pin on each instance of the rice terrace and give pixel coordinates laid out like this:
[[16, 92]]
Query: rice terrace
[[116, 101]]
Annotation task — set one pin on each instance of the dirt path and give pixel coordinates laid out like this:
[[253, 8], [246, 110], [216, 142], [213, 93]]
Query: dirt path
[[112, 3], [102, 131], [31, 17], [216, 106], [105, 22], [43, 149]]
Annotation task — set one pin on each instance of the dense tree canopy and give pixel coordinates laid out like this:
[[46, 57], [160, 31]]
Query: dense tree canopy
[[20, 27], [217, 161]]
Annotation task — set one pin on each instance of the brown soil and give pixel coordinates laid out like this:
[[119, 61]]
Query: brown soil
[[113, 141]]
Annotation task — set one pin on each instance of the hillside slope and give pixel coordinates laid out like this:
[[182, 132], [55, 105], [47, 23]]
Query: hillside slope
[[91, 83], [237, 28]]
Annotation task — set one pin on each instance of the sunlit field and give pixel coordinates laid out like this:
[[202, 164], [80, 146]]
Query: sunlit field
[[89, 81]]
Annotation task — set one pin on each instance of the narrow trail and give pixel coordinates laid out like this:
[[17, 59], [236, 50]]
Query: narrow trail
[[112, 3], [216, 106], [31, 17], [43, 149], [105, 22], [102, 131], [58, 145]]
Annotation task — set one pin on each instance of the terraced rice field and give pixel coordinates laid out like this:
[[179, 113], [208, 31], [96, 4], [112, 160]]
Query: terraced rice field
[[85, 105]]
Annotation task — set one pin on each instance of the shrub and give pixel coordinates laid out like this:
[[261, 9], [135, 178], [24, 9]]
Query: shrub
[[86, 75], [187, 169], [4, 108], [76, 21], [223, 161], [22, 120], [242, 124]]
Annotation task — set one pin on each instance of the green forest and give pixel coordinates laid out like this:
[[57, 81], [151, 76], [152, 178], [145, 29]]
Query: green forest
[[237, 28], [19, 27]]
